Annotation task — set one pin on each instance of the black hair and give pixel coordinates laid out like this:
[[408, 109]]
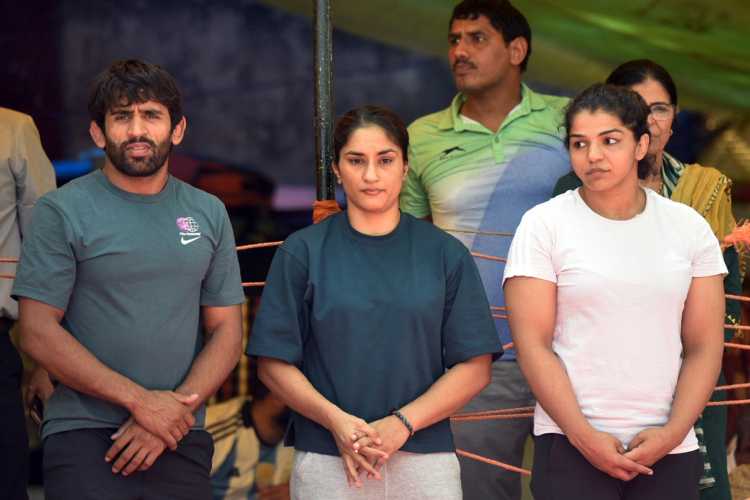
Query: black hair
[[638, 71], [128, 81], [503, 16], [365, 116], [621, 102]]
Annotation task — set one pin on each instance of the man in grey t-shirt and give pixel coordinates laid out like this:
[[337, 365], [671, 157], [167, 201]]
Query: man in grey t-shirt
[[120, 270]]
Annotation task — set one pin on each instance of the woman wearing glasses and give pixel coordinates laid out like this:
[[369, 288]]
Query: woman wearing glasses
[[706, 190]]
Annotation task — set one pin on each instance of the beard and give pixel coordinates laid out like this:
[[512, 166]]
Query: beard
[[138, 167]]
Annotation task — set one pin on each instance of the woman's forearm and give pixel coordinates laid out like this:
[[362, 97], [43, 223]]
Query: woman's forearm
[[552, 388], [450, 392], [290, 385], [698, 375]]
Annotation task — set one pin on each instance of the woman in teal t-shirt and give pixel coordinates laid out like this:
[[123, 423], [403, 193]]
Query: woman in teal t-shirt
[[374, 328]]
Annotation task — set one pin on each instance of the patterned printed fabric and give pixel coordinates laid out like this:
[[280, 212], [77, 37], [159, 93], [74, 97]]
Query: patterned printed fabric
[[241, 463]]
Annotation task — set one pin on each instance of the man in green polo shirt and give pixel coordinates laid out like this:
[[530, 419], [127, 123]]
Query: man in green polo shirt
[[478, 165]]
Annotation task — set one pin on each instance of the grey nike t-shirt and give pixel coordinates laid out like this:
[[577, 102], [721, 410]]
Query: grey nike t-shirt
[[131, 272]]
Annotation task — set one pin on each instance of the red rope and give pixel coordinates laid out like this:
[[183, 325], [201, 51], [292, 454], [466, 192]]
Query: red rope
[[471, 231], [8, 260], [508, 416], [731, 387], [253, 283], [7, 276], [744, 347], [259, 245], [505, 411], [731, 402], [489, 257], [490, 461]]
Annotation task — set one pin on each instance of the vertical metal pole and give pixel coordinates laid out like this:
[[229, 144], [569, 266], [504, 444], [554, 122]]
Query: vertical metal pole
[[326, 188]]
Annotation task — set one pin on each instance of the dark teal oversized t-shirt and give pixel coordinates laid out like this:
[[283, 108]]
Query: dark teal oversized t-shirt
[[372, 321], [131, 272]]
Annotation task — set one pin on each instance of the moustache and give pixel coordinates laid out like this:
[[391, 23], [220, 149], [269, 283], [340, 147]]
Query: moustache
[[463, 62], [136, 140]]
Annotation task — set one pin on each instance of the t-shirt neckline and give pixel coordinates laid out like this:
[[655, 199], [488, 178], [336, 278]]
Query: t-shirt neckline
[[635, 218], [376, 239], [139, 198]]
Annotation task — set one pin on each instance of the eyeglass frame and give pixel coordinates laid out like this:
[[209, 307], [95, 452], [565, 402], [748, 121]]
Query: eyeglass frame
[[667, 112]]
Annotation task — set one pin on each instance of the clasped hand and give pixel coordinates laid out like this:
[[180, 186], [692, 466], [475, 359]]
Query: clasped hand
[[160, 420], [608, 454], [366, 447]]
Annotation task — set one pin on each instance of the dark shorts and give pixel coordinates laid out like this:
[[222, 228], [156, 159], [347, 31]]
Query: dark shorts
[[74, 468], [561, 472], [14, 446]]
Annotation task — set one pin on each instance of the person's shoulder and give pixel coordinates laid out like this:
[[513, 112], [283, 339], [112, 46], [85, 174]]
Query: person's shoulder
[[14, 118], [555, 206], [79, 190], [556, 103], [428, 126], [678, 211], [304, 241], [196, 194], [427, 234]]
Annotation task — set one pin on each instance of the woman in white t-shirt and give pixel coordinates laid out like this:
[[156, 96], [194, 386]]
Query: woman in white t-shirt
[[616, 309]]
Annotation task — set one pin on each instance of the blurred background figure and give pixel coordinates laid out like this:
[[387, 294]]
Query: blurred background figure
[[25, 174]]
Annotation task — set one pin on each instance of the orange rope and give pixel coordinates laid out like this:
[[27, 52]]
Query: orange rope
[[259, 245], [482, 233], [7, 276], [508, 416], [511, 468], [731, 386], [507, 346], [498, 308], [8, 260], [489, 257], [500, 316], [730, 402], [744, 347], [737, 327], [253, 283], [506, 411], [741, 298]]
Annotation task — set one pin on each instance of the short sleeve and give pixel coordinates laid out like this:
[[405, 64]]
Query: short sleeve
[[414, 199], [222, 285], [707, 257], [468, 328], [530, 253], [47, 268], [281, 326]]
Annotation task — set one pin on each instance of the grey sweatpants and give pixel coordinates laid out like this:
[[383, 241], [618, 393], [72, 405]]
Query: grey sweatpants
[[502, 440], [407, 476]]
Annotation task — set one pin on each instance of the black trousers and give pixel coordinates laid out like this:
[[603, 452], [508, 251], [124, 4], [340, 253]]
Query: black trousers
[[14, 443], [74, 469], [561, 472]]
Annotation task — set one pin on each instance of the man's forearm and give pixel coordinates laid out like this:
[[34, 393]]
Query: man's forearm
[[58, 352], [215, 362]]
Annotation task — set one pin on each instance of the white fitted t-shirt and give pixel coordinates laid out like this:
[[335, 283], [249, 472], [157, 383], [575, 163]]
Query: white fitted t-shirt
[[621, 289]]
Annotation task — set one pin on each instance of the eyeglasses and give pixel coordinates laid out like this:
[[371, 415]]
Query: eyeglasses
[[661, 111]]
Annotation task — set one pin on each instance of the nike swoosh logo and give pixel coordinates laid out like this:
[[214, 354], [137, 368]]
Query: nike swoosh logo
[[186, 241]]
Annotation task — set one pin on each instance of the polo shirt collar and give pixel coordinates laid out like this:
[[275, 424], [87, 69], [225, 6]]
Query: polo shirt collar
[[451, 119]]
